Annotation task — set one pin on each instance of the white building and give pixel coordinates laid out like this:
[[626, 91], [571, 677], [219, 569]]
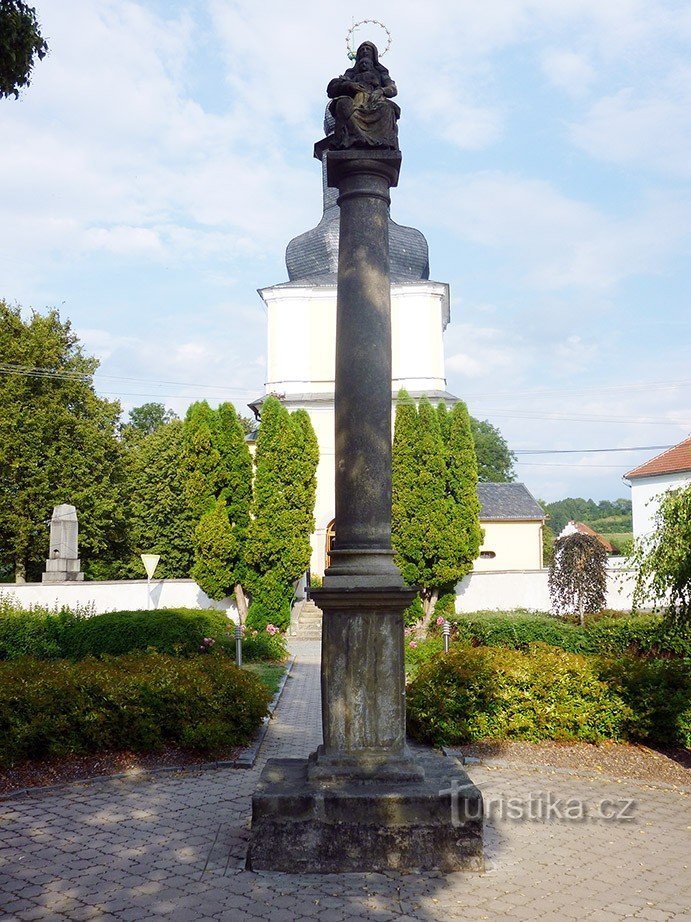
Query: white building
[[651, 480]]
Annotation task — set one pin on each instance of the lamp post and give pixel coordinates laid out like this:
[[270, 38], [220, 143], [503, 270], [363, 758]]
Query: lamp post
[[150, 562]]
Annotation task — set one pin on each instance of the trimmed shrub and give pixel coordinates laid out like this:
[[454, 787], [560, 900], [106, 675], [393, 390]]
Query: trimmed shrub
[[643, 635], [658, 693], [139, 702], [52, 635], [488, 693]]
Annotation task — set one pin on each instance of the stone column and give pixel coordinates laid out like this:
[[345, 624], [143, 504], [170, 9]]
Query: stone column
[[362, 554], [363, 599]]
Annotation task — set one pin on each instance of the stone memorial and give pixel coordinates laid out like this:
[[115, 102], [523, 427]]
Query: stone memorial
[[364, 801], [63, 563]]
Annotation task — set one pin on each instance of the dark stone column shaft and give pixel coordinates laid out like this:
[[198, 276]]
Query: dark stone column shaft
[[363, 369]]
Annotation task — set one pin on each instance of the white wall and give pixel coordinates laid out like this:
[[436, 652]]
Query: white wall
[[645, 498], [517, 545], [117, 595], [504, 591]]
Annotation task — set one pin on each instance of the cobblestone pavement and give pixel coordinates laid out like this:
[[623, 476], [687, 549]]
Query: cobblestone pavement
[[173, 846]]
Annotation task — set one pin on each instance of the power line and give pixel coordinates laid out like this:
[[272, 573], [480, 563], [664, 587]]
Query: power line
[[584, 451]]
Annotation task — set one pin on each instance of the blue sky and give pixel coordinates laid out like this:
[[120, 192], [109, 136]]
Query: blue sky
[[153, 173]]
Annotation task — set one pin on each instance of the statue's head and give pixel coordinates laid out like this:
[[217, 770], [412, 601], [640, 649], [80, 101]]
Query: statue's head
[[367, 53]]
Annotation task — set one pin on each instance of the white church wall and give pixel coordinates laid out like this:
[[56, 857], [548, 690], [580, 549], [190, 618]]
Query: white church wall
[[117, 595], [506, 591]]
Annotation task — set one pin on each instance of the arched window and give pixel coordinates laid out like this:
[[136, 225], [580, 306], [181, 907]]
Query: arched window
[[330, 536]]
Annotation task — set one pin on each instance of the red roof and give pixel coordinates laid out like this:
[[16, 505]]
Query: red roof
[[584, 529], [671, 461]]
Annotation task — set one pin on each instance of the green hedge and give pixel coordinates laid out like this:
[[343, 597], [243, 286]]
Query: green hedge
[[643, 635], [53, 635], [139, 702], [491, 693], [494, 693]]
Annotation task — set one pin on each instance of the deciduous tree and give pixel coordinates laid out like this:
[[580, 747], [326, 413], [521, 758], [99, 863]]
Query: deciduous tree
[[21, 43], [58, 444], [577, 575], [664, 559]]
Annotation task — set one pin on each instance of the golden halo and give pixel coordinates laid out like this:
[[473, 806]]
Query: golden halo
[[375, 22]]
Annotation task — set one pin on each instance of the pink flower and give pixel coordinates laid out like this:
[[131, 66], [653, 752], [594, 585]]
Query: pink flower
[[412, 644], [272, 629], [440, 621]]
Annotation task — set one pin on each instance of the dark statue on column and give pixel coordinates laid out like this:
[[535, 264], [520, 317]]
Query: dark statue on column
[[361, 104], [365, 800]]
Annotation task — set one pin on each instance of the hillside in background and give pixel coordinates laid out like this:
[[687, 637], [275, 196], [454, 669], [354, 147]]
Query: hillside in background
[[608, 517]]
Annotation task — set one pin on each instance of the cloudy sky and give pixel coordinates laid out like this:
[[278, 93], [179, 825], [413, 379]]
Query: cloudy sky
[[159, 163]]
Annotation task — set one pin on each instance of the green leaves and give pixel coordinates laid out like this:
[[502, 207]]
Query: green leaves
[[578, 576], [21, 43], [664, 559], [58, 443], [435, 510], [282, 513]]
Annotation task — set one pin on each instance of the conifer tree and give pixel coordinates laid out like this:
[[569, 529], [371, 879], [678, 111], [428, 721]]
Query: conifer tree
[[278, 548], [160, 521], [218, 490], [435, 510], [216, 550]]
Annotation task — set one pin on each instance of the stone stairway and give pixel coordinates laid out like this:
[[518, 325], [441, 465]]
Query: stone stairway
[[307, 623]]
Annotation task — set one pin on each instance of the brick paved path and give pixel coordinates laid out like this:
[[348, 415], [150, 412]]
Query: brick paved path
[[173, 846]]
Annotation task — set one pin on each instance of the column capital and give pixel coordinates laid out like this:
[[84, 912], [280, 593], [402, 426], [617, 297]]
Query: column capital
[[341, 164]]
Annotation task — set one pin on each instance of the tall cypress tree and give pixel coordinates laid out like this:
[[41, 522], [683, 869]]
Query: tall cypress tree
[[218, 488], [278, 548], [435, 510], [159, 517]]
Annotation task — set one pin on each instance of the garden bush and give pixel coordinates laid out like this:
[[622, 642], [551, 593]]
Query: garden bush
[[543, 692], [490, 693], [47, 634], [642, 635], [658, 692], [139, 702]]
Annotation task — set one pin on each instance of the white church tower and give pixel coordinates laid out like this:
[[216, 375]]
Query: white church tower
[[302, 335]]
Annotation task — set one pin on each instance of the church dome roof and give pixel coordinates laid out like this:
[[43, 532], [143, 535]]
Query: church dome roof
[[315, 253]]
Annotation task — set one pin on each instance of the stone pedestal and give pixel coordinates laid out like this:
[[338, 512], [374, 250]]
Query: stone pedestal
[[303, 826], [62, 570]]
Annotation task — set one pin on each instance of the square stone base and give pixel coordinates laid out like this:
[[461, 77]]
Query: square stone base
[[304, 826]]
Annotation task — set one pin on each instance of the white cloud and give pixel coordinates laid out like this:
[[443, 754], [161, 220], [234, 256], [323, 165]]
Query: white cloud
[[568, 71], [646, 130], [560, 242]]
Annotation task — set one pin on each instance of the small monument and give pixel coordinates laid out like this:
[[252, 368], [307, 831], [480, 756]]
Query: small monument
[[63, 564], [364, 801]]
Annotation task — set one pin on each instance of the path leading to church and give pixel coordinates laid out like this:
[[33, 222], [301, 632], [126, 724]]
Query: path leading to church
[[173, 846]]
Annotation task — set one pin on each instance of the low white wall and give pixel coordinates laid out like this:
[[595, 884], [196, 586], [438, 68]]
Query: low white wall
[[509, 589], [117, 595]]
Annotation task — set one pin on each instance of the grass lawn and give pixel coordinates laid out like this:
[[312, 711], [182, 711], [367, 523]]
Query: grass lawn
[[270, 673]]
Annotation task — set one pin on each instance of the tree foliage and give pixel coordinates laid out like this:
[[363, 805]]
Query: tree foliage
[[58, 444], [21, 43], [218, 485], [494, 458], [278, 542], [158, 515], [435, 510], [577, 575], [149, 417], [664, 559]]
